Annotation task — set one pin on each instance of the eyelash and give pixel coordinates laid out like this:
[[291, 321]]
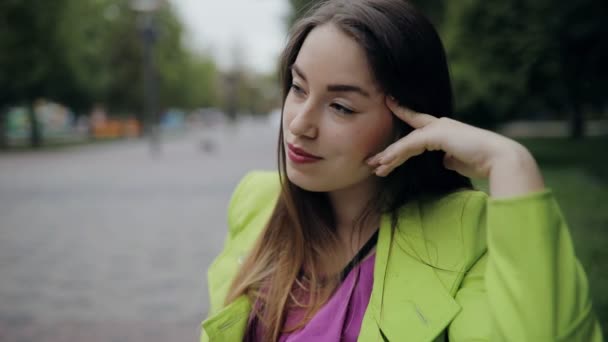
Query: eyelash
[[341, 109], [296, 88], [337, 107]]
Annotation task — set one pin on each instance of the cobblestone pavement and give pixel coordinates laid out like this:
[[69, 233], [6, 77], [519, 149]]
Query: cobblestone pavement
[[108, 243]]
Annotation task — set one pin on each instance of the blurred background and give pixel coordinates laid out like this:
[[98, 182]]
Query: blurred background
[[125, 125]]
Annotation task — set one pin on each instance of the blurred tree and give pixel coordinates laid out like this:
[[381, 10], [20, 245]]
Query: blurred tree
[[30, 60], [258, 93], [433, 9], [190, 84], [83, 33], [520, 59], [188, 80], [82, 52], [247, 91]]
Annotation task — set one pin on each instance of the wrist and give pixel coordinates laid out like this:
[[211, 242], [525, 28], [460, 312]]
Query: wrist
[[514, 172]]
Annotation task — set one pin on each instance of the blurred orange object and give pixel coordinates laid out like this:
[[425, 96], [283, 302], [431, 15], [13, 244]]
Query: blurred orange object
[[113, 128]]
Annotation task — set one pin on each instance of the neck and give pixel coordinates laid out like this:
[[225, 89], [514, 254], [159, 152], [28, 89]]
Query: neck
[[348, 204]]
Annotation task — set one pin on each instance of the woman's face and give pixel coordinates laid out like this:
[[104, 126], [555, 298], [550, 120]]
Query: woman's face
[[335, 112]]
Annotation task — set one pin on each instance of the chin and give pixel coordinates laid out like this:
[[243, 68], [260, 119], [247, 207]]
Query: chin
[[307, 182]]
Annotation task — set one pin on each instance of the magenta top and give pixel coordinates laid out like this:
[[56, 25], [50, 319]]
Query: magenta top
[[339, 319]]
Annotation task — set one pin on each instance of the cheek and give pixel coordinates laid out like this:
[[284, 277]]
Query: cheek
[[286, 120], [288, 110], [372, 138]]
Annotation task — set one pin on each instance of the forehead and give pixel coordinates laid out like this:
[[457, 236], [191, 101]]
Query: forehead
[[328, 55]]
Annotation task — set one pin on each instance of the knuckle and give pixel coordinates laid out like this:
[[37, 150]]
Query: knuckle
[[444, 120]]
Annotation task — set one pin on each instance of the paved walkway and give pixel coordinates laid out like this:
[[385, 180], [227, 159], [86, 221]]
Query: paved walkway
[[107, 243]]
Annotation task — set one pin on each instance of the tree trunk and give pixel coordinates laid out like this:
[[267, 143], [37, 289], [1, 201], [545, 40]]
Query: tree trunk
[[3, 128], [577, 122], [571, 72], [35, 131]]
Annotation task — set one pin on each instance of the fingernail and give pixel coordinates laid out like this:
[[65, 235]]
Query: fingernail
[[373, 160], [380, 171]]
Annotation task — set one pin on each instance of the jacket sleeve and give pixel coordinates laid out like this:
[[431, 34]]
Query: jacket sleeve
[[250, 206], [528, 285], [222, 268]]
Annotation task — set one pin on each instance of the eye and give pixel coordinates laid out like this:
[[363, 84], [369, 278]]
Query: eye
[[297, 89], [341, 109]]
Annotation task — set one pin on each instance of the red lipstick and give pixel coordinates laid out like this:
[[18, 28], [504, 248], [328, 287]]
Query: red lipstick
[[300, 156]]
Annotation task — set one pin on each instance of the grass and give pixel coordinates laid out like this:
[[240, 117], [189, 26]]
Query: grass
[[577, 173]]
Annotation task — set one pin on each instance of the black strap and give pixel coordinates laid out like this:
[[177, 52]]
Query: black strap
[[361, 254]]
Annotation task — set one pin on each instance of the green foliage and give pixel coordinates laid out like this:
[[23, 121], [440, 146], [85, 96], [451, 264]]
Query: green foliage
[[433, 9], [83, 37], [27, 41], [29, 66], [81, 52], [520, 59], [188, 80]]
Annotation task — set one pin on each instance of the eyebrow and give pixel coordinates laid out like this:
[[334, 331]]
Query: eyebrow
[[333, 87]]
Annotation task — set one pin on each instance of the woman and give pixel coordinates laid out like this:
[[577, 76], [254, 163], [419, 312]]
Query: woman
[[371, 230]]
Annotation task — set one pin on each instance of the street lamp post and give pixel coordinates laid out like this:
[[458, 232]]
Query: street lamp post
[[147, 25]]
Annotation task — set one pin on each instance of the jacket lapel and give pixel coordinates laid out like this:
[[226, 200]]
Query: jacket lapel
[[230, 324], [408, 299]]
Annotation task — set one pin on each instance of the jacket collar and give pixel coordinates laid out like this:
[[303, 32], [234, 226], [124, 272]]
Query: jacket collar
[[408, 297]]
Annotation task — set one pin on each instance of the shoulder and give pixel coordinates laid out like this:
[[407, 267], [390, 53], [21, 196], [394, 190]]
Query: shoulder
[[454, 225], [456, 204], [255, 195]]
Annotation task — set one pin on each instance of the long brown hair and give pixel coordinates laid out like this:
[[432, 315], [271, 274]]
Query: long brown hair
[[408, 61]]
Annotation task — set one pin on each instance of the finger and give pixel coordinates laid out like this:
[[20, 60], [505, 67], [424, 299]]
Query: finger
[[382, 171], [405, 148], [414, 119], [452, 163]]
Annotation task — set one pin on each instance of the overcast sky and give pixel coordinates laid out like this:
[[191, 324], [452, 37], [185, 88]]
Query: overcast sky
[[256, 26]]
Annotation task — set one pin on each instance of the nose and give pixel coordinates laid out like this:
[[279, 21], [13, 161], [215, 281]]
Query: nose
[[304, 122]]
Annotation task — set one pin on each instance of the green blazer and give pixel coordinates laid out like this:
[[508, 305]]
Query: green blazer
[[464, 267]]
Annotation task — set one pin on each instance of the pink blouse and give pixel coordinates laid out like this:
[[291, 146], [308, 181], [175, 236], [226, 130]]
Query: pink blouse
[[339, 319]]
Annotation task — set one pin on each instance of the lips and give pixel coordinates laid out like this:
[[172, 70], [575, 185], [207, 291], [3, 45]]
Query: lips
[[298, 155], [301, 152]]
